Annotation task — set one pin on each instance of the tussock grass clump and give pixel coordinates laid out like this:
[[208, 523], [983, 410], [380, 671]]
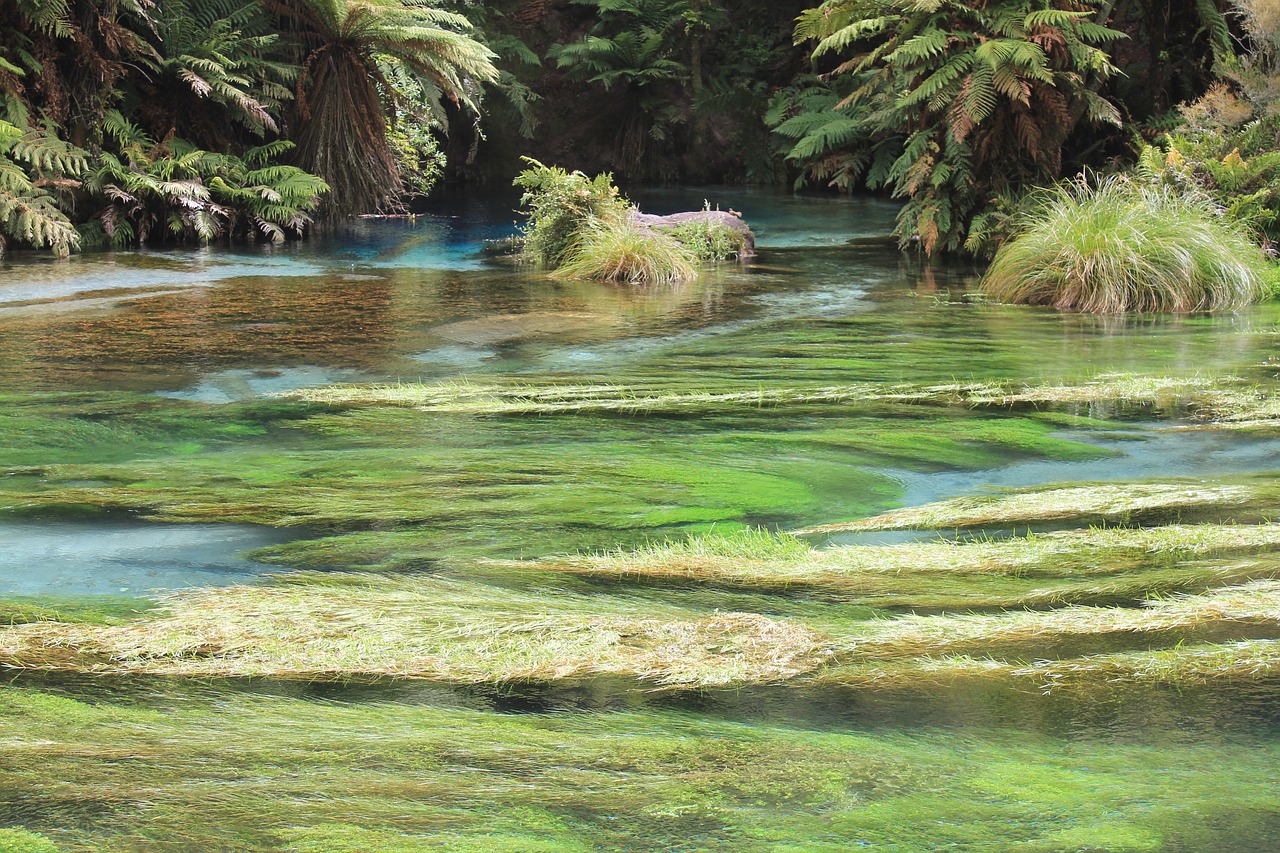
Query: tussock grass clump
[[617, 251], [1120, 246]]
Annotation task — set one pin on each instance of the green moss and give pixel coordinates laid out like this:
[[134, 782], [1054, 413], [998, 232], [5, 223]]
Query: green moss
[[476, 486], [21, 841]]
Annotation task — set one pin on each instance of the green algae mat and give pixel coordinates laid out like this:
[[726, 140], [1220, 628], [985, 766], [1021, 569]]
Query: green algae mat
[[818, 555]]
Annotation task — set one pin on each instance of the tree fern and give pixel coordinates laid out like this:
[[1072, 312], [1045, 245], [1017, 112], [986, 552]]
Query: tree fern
[[979, 95], [31, 163], [343, 111]]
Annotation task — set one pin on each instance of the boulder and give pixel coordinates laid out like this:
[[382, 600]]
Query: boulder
[[718, 217]]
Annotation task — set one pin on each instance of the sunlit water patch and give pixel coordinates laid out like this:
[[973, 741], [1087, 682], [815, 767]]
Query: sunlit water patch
[[37, 280]]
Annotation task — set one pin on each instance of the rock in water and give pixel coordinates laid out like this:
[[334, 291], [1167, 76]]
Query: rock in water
[[716, 217]]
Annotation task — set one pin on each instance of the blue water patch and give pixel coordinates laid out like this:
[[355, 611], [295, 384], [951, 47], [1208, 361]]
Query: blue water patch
[[783, 220], [227, 386], [427, 241], [73, 558], [36, 278]]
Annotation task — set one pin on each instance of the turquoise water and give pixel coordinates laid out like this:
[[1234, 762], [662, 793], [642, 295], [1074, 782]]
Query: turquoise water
[[143, 450]]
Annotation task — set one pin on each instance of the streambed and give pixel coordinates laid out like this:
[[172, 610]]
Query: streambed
[[151, 442]]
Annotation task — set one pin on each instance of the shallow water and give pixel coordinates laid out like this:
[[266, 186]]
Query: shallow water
[[77, 558], [138, 402]]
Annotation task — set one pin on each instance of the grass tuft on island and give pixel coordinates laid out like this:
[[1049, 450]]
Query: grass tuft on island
[[582, 227], [316, 627]]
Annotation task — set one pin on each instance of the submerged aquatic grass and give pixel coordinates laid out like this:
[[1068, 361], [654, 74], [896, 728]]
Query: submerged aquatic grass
[[1254, 498], [344, 626], [759, 424], [348, 626], [212, 768], [1223, 401]]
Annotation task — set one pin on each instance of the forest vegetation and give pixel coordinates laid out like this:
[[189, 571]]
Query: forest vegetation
[[191, 120]]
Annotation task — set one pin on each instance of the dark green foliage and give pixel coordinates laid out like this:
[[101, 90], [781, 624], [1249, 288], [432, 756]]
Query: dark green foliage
[[946, 103], [198, 67], [192, 194], [1225, 147], [633, 56], [345, 47], [677, 87], [213, 73], [34, 166]]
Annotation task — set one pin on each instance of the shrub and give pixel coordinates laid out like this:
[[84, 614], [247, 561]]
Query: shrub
[[616, 250], [1123, 246], [562, 207]]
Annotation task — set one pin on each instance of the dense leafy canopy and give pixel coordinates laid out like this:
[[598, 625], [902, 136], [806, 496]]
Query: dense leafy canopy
[[126, 121]]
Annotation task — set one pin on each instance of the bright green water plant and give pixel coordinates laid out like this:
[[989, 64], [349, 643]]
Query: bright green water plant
[[583, 228], [1117, 245]]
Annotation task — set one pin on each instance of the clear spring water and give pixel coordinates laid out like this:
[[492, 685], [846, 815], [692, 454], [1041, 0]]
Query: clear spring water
[[152, 766]]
